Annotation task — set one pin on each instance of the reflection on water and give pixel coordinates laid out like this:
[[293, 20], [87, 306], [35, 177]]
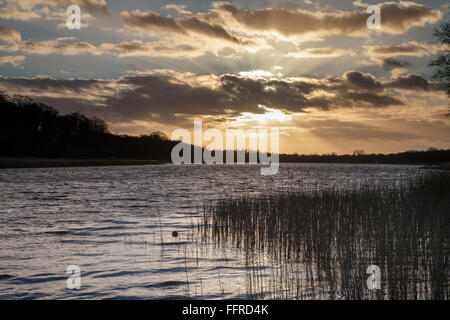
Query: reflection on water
[[116, 223]]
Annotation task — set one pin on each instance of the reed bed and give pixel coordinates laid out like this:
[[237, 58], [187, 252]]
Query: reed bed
[[317, 244]]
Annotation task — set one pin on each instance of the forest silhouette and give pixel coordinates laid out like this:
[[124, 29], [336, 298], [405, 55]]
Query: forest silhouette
[[32, 129]]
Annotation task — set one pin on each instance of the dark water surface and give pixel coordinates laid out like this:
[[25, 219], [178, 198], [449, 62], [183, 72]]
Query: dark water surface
[[116, 224]]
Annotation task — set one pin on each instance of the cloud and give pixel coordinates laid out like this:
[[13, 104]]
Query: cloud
[[412, 82], [365, 81], [385, 55], [153, 49], [15, 61], [391, 63], [16, 11], [94, 7], [63, 45], [49, 9], [178, 8], [47, 86], [373, 99], [180, 25], [362, 80], [59, 47], [397, 18], [320, 53], [411, 48], [226, 26], [68, 46], [169, 93], [9, 35]]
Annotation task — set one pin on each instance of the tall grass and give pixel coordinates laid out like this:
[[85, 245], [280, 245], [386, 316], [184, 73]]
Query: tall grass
[[318, 243]]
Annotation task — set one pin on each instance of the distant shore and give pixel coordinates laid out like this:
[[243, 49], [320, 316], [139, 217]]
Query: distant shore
[[49, 163]]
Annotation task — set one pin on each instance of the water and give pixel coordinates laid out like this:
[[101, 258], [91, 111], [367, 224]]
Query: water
[[116, 224]]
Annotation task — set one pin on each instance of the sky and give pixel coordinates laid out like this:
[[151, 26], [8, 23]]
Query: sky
[[313, 69]]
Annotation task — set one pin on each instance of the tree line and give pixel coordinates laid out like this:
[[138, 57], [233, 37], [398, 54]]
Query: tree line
[[32, 129], [431, 156]]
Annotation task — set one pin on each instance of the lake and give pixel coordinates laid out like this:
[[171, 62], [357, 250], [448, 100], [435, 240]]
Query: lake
[[116, 224]]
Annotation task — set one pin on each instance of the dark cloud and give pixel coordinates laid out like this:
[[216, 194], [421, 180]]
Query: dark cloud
[[250, 93], [180, 25], [147, 21], [416, 83], [373, 99], [169, 94], [391, 63], [363, 81], [369, 83], [397, 18], [322, 51], [207, 29], [411, 48], [220, 23], [130, 46], [410, 82], [94, 7], [166, 96]]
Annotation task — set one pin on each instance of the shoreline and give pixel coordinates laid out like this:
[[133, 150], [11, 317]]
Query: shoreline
[[16, 163]]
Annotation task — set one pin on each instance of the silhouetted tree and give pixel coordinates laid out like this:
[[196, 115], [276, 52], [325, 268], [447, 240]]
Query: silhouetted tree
[[442, 62], [21, 100], [3, 96], [30, 129], [359, 152]]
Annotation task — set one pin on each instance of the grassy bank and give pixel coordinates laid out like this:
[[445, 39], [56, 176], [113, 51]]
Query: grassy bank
[[319, 243], [47, 163]]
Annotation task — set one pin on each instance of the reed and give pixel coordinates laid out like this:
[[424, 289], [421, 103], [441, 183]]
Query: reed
[[318, 243]]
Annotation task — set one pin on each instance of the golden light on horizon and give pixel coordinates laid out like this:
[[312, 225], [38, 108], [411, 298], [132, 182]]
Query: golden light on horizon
[[270, 115]]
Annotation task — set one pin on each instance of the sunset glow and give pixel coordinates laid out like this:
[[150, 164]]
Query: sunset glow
[[312, 68]]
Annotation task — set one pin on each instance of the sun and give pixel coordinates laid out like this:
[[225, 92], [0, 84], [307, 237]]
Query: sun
[[270, 115]]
